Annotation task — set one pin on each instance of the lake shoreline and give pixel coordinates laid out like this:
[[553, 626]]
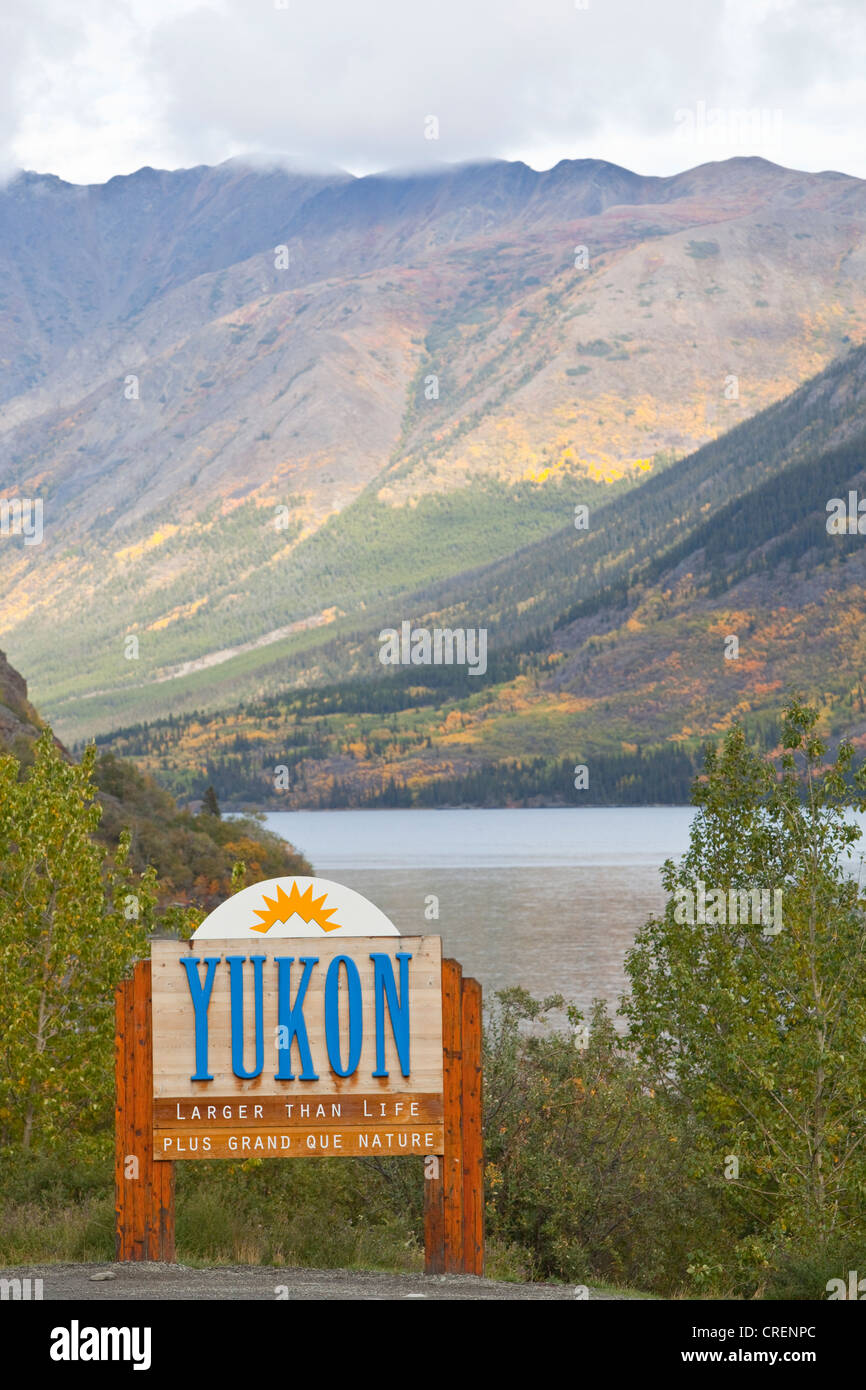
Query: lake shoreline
[[238, 809]]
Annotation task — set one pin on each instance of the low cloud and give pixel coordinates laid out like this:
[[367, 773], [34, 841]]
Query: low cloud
[[334, 82]]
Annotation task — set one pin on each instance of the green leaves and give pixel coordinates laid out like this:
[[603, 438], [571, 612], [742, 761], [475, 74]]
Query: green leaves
[[586, 1169], [762, 1036], [71, 921]]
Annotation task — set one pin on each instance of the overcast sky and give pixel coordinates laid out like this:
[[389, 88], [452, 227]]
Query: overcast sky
[[102, 87]]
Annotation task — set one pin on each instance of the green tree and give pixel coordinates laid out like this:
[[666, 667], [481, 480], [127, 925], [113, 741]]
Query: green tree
[[760, 1032], [586, 1170], [72, 919], [210, 805]]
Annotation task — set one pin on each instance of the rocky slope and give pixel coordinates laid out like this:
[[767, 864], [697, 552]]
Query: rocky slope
[[19, 722]]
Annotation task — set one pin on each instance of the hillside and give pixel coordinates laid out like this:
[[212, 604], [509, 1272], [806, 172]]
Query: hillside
[[239, 461], [193, 854], [609, 648]]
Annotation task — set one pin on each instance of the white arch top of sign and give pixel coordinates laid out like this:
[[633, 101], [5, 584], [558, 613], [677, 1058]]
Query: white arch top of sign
[[295, 907]]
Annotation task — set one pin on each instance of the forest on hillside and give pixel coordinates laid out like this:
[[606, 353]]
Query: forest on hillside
[[752, 506]]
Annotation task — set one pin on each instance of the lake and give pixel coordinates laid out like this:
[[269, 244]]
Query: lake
[[548, 898]]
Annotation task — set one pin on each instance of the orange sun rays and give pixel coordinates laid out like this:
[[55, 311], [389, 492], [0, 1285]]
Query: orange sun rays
[[280, 909]]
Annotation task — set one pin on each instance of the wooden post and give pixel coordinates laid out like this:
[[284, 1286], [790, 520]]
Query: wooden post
[[473, 1143], [452, 1030], [443, 1189], [434, 1214], [144, 1189], [454, 1197]]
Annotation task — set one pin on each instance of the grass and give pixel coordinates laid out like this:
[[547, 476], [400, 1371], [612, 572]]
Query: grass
[[32, 1233], [313, 1214], [210, 1234]]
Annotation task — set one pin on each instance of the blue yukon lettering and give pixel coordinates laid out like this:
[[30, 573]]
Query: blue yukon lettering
[[200, 995], [332, 1015], [291, 1017], [384, 987], [236, 987], [343, 1010]]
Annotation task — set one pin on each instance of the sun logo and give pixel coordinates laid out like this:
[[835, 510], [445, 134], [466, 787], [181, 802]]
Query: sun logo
[[280, 909]]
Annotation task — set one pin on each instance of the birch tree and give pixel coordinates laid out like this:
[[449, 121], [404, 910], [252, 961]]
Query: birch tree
[[72, 919], [760, 1032]]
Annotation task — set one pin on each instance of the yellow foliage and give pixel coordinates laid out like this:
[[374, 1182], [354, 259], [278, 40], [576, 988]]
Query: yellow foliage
[[132, 552]]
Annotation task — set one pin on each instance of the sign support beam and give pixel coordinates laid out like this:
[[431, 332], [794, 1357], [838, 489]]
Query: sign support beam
[[454, 1189], [144, 1190]]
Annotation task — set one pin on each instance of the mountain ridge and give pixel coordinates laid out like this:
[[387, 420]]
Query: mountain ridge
[[307, 391]]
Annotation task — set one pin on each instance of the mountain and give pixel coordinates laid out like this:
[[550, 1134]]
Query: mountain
[[709, 594], [258, 404]]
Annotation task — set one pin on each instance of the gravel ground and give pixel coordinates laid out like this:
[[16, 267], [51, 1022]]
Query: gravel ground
[[107, 1283]]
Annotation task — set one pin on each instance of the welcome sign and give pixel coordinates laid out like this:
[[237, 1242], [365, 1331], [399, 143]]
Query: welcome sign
[[297, 1022]]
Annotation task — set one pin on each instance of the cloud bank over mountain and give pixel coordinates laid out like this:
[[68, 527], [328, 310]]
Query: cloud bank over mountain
[[170, 83]]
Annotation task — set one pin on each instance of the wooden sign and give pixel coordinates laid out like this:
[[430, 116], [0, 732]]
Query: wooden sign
[[286, 1049], [296, 1023]]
